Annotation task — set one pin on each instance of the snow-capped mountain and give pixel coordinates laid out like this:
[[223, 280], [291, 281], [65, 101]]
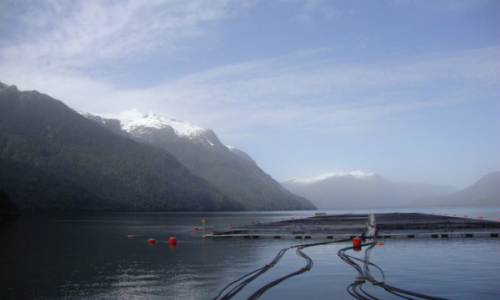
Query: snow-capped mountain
[[199, 149], [353, 174], [143, 123], [358, 189], [134, 119]]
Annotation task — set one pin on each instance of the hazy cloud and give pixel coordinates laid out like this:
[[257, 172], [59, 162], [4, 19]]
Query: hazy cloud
[[333, 93]]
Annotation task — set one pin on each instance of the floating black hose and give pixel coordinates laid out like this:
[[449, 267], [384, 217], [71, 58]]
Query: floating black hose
[[241, 283], [365, 274], [308, 266]]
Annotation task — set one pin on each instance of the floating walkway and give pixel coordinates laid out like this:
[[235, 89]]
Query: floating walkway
[[383, 226]]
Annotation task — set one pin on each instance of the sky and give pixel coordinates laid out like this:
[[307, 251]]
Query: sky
[[406, 89]]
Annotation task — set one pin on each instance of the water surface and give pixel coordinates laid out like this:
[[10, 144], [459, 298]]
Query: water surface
[[90, 256]]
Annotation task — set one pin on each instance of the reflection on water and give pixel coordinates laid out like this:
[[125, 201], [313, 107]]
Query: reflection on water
[[89, 256]]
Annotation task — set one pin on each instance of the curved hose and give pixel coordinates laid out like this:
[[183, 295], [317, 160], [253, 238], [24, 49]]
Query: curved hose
[[365, 275], [242, 282]]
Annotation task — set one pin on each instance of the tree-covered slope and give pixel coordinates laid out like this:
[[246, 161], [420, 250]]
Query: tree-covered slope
[[232, 172], [7, 207], [54, 158]]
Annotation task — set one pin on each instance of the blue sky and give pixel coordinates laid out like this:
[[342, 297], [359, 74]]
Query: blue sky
[[406, 89]]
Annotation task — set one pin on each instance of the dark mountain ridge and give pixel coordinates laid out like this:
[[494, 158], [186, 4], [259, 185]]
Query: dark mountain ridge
[[53, 158]]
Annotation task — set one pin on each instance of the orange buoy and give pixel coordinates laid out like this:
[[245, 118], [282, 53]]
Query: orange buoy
[[356, 244], [172, 241], [151, 241]]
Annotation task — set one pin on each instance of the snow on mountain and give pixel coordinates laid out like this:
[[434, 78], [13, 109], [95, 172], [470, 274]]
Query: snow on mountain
[[355, 174], [143, 124], [133, 119]]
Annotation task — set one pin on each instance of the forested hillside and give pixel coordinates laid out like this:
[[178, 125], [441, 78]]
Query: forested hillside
[[53, 158]]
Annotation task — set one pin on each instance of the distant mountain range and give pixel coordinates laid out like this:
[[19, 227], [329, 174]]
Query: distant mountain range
[[486, 191], [51, 157], [350, 190], [229, 169]]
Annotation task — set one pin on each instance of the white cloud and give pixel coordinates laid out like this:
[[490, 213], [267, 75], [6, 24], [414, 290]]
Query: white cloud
[[292, 91], [60, 35], [63, 40]]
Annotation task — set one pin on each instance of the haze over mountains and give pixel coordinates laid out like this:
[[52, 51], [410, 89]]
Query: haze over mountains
[[350, 190], [53, 158], [486, 191], [229, 169]]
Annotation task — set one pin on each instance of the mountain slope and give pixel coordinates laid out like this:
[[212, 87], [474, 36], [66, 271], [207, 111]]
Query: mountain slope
[[230, 170], [486, 191], [7, 207], [352, 190], [54, 158]]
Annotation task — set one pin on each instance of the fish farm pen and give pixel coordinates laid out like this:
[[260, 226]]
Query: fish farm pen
[[385, 225], [365, 231]]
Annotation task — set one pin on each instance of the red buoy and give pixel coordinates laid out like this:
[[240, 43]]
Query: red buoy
[[130, 236], [380, 244], [151, 241], [172, 241], [195, 228], [356, 242]]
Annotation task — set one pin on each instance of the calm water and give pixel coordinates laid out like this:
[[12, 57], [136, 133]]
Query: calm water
[[90, 256]]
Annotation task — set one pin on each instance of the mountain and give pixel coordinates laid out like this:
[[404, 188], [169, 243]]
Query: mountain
[[229, 169], [53, 158], [486, 191], [7, 207], [356, 189]]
